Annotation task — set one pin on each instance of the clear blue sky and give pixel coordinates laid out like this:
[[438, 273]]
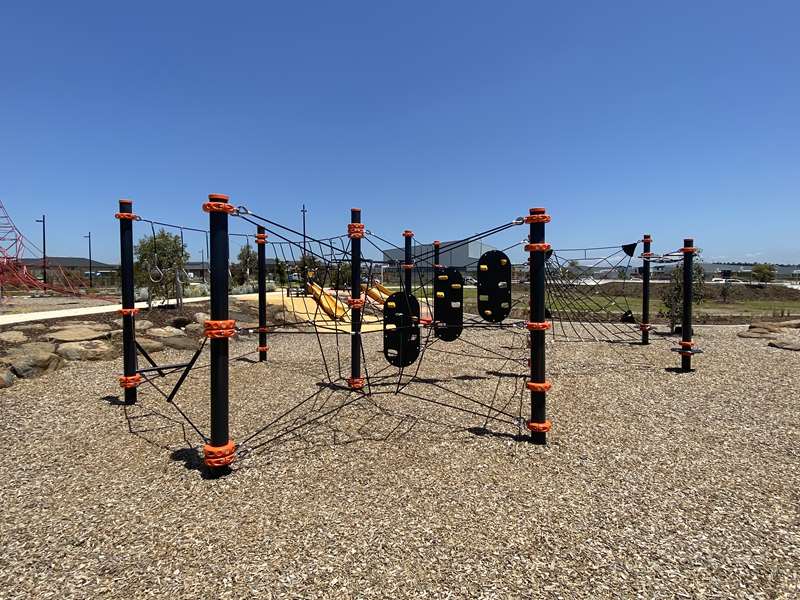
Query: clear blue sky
[[621, 118]]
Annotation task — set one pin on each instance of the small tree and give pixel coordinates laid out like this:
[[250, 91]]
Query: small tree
[[157, 259], [764, 272], [246, 264], [672, 294], [726, 292], [280, 273]]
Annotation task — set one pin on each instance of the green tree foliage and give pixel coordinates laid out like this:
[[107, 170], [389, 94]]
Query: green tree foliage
[[764, 272], [156, 260], [246, 266], [726, 292], [280, 273], [672, 294]]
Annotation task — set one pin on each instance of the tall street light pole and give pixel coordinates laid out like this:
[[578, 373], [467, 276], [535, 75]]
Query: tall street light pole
[[304, 266], [91, 268], [43, 221]]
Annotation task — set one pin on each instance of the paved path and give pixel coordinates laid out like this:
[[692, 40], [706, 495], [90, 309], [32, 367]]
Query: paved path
[[66, 313]]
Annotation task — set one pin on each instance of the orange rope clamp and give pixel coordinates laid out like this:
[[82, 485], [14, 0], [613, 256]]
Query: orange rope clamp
[[263, 348], [131, 381], [224, 207], [355, 303], [645, 327], [261, 238], [219, 329], [533, 326], [408, 266], [689, 250], [129, 216], [537, 218], [355, 383], [219, 456], [688, 344], [539, 387], [647, 254], [263, 330], [128, 312], [539, 427], [355, 231], [537, 247], [408, 233]]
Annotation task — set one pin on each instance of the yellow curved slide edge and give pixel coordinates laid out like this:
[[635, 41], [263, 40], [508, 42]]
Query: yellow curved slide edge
[[330, 306], [377, 293]]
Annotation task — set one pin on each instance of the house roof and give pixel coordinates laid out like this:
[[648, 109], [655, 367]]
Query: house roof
[[68, 262]]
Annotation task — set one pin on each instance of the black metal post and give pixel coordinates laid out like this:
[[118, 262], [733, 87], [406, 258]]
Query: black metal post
[[538, 385], [219, 452], [43, 221], [688, 285], [303, 261], [646, 256], [130, 378], [355, 232], [436, 248], [261, 241], [408, 263]]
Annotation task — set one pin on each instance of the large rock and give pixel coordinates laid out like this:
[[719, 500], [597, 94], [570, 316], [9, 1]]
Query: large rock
[[6, 378], [758, 334], [139, 324], [85, 324], [149, 345], [786, 345], [180, 342], [201, 317], [30, 327], [88, 350], [77, 334], [194, 329], [32, 364], [771, 327], [165, 332], [13, 337], [29, 347]]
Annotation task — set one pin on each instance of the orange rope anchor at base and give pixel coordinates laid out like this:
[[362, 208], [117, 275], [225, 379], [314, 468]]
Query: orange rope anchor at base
[[539, 427], [219, 456], [130, 381]]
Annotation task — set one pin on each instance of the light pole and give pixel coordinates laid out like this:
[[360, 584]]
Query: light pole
[[91, 269], [43, 221]]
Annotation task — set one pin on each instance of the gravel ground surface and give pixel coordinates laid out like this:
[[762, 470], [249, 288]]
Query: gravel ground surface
[[655, 484]]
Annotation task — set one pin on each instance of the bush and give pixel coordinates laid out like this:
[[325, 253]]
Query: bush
[[764, 272], [672, 294]]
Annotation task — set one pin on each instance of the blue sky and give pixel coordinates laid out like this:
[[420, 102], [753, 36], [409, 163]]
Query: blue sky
[[621, 118]]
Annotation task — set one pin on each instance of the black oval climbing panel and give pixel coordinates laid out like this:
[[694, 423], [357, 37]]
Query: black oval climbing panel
[[401, 329], [448, 304], [494, 286]]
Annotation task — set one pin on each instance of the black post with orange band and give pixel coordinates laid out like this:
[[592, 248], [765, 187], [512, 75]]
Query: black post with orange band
[[537, 249], [408, 263], [688, 297], [261, 242], [219, 451], [355, 232], [646, 255], [130, 378]]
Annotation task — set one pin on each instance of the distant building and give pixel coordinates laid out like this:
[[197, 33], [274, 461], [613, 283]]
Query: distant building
[[464, 257]]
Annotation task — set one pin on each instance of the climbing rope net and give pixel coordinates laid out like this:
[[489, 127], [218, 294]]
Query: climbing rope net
[[474, 361]]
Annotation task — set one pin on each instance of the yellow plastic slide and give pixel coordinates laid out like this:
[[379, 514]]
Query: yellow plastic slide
[[330, 305], [378, 292]]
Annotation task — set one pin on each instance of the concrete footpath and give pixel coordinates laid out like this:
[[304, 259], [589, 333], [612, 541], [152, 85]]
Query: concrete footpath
[[13, 319]]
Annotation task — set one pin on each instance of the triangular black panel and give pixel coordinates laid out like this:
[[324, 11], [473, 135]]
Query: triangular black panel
[[494, 286], [401, 329], [448, 304], [629, 249]]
